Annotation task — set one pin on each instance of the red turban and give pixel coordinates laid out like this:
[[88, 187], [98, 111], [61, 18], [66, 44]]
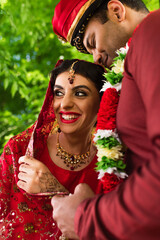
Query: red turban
[[71, 18]]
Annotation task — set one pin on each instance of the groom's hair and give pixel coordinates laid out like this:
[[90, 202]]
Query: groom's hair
[[137, 5]]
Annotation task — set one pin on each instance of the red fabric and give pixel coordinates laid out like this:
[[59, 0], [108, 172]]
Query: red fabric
[[64, 15], [59, 62], [132, 210], [23, 216]]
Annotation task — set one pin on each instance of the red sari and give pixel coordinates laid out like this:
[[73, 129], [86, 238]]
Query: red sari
[[27, 217]]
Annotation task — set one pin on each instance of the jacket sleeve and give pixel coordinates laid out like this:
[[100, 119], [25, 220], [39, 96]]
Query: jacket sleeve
[[132, 211]]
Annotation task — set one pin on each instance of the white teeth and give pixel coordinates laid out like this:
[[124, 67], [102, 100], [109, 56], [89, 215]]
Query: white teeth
[[69, 117]]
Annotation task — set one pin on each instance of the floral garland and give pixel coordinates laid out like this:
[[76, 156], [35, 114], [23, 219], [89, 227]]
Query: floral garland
[[110, 151]]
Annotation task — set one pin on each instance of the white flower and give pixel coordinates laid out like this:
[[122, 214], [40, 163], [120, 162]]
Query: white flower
[[121, 174], [110, 171], [107, 85], [101, 174], [105, 134], [118, 66], [123, 50], [113, 153]]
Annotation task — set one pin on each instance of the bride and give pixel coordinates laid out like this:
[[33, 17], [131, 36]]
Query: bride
[[54, 155]]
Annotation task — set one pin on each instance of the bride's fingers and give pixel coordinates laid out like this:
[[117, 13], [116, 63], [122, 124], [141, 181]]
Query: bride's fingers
[[24, 168], [21, 184], [23, 176], [27, 160], [22, 159]]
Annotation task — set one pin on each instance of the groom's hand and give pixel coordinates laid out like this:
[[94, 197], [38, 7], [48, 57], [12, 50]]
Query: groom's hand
[[64, 209]]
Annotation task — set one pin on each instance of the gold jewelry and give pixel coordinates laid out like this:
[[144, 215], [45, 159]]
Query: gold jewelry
[[72, 73], [72, 161], [55, 127]]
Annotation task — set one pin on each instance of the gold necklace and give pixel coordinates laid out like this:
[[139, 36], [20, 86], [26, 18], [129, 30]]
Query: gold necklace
[[72, 161]]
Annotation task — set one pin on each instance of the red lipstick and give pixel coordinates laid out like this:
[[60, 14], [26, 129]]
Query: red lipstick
[[64, 117]]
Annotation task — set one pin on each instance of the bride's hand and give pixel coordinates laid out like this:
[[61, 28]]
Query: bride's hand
[[35, 177]]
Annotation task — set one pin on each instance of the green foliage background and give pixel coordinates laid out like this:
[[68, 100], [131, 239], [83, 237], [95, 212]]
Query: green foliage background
[[28, 52]]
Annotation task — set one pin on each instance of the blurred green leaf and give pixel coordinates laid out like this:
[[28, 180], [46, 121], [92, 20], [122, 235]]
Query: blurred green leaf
[[14, 88]]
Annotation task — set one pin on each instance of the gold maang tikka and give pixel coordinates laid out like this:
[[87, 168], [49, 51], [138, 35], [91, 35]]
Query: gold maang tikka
[[72, 73]]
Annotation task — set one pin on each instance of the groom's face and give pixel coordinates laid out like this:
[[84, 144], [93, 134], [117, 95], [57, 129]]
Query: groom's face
[[102, 40]]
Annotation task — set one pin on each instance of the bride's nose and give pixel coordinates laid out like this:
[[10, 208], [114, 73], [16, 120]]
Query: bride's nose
[[67, 102]]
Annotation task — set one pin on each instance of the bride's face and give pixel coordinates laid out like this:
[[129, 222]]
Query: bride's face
[[75, 105]]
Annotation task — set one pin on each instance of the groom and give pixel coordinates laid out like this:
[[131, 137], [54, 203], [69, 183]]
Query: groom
[[98, 27], [132, 211]]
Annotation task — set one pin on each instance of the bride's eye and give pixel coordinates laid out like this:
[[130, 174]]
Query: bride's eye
[[81, 94], [58, 93]]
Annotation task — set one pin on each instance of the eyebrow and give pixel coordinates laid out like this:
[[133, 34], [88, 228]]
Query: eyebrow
[[75, 88], [58, 86], [82, 86]]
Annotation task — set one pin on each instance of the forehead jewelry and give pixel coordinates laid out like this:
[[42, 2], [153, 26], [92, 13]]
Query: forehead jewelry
[[72, 73]]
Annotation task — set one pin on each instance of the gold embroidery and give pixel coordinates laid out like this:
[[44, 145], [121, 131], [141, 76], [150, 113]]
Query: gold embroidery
[[7, 150], [77, 19], [78, 43], [15, 188], [23, 207], [10, 168], [47, 207], [29, 228], [55, 127]]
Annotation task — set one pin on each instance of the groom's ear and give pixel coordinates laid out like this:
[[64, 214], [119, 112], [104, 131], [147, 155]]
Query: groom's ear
[[116, 11]]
